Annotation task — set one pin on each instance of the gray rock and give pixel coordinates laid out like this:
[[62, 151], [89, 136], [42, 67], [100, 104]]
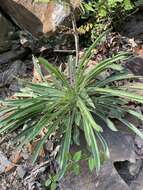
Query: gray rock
[[133, 26], [13, 55], [21, 171], [4, 162], [108, 179], [134, 168], [137, 184], [17, 68], [135, 65], [121, 147], [5, 31], [139, 145]]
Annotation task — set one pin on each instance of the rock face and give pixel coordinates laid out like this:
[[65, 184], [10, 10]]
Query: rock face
[[132, 26], [121, 146], [5, 32], [37, 18]]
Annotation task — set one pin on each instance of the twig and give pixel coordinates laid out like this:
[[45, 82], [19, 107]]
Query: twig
[[64, 51], [37, 170], [76, 37]]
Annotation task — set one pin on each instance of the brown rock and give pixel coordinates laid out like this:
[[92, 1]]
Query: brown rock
[[36, 18]]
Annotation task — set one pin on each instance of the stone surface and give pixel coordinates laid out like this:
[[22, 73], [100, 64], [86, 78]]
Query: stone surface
[[12, 55], [108, 179], [137, 184], [21, 171], [132, 27], [121, 146], [36, 18], [135, 65], [6, 31], [16, 68], [4, 162], [134, 168]]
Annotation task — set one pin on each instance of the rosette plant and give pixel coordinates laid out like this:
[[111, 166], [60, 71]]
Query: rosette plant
[[66, 105]]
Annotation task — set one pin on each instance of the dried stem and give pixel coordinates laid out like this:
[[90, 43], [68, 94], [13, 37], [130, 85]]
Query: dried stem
[[76, 37]]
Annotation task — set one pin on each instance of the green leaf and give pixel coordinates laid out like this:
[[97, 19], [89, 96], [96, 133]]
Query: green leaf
[[135, 113], [104, 145], [91, 141], [65, 146], [88, 54], [76, 168], [119, 93], [91, 164], [114, 78], [76, 134], [53, 185], [53, 71], [85, 113], [109, 123], [132, 127], [37, 68], [128, 5], [48, 182], [77, 156], [102, 66]]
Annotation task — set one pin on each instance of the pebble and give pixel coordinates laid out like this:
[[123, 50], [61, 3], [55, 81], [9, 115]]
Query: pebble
[[21, 171]]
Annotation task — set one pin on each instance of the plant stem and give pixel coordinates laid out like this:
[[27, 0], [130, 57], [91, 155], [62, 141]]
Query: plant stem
[[76, 37]]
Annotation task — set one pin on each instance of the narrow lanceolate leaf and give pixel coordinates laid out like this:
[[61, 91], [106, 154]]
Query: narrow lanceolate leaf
[[132, 127], [53, 71], [86, 58], [86, 113], [135, 113], [115, 67], [119, 93], [37, 68], [104, 145], [76, 135], [115, 78], [103, 66], [36, 130], [88, 53], [109, 123], [91, 141], [87, 132], [63, 158], [91, 164]]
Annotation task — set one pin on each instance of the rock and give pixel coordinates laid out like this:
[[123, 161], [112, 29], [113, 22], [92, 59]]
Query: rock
[[108, 179], [4, 162], [16, 68], [37, 18], [5, 32], [13, 55], [132, 27], [21, 171], [121, 146], [112, 181], [134, 168], [137, 184], [135, 65], [139, 145]]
